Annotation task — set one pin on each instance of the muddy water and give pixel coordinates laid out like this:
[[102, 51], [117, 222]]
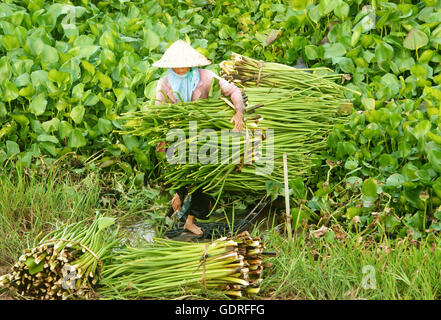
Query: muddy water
[[139, 234]]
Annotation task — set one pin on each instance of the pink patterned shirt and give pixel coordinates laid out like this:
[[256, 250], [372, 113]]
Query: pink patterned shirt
[[202, 90]]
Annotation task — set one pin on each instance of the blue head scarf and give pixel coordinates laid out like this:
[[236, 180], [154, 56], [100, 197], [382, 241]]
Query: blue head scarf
[[183, 86]]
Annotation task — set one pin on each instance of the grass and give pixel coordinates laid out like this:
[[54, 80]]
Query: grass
[[32, 203], [309, 268]]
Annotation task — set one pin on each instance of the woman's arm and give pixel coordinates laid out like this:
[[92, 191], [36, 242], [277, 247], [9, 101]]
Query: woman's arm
[[162, 89], [232, 91]]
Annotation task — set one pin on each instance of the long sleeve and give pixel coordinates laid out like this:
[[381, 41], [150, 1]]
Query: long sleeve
[[161, 89], [230, 90], [227, 89]]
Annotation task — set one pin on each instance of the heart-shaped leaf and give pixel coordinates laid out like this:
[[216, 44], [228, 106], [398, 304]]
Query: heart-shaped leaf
[[38, 104], [415, 39]]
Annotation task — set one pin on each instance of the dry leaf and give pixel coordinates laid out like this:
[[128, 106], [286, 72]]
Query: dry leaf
[[273, 35], [320, 232]]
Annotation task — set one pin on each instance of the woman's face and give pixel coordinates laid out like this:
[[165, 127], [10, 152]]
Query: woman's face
[[181, 71]]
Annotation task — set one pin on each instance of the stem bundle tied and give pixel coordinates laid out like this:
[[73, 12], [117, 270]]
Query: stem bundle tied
[[299, 107], [167, 268], [65, 264]]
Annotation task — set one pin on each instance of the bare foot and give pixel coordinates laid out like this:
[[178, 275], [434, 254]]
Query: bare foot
[[190, 226]]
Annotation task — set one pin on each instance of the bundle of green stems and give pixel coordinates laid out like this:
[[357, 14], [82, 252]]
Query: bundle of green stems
[[247, 72], [287, 111], [64, 264], [167, 268]]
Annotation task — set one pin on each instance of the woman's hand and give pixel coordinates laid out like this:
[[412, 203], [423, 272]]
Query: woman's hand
[[160, 147], [238, 121]]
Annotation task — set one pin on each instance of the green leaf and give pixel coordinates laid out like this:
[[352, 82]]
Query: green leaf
[[436, 138], [10, 91], [77, 114], [51, 125], [105, 222], [59, 77], [27, 91], [21, 119], [38, 104], [390, 80], [368, 103], [39, 79], [10, 42], [72, 66], [64, 129], [49, 147], [107, 40], [352, 212], [329, 236], [434, 156], [314, 13], [90, 99], [342, 10], [311, 52], [104, 126], [273, 189], [355, 36], [151, 40], [395, 180], [415, 39], [351, 164], [421, 129], [150, 90], [3, 111], [33, 267], [47, 138], [84, 52], [131, 142], [78, 91], [384, 52], [346, 64], [334, 50], [326, 6], [23, 80], [436, 187], [49, 56], [5, 69], [368, 19], [387, 162], [76, 139], [349, 148], [12, 148], [88, 67], [369, 189], [105, 81]]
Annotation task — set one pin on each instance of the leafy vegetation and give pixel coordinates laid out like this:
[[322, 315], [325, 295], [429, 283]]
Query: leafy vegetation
[[68, 69]]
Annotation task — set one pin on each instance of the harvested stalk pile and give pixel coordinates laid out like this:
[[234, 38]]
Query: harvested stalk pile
[[168, 268], [288, 111], [249, 73], [65, 264]]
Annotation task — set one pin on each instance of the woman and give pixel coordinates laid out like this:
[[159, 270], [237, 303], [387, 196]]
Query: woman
[[186, 82]]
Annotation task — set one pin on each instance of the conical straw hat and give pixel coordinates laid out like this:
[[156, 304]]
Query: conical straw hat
[[181, 55]]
